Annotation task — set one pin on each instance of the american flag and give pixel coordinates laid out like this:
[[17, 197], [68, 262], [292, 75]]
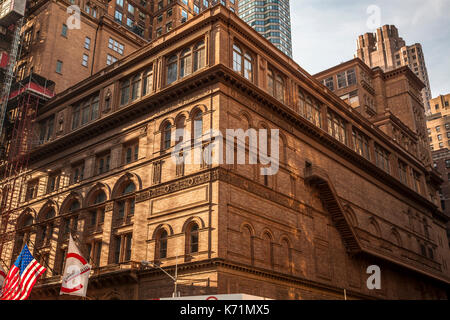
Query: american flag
[[21, 277]]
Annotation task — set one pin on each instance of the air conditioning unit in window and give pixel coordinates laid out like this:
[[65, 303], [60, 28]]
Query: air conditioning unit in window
[[183, 20]]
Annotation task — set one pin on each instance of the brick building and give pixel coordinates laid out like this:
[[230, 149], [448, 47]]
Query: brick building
[[387, 50], [390, 100], [336, 206], [438, 123], [441, 160]]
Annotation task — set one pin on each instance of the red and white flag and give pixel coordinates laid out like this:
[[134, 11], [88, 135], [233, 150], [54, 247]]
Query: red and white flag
[[21, 277], [2, 277], [76, 272]]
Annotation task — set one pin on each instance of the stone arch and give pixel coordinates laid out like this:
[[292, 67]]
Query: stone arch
[[94, 191], [73, 196], [47, 206], [196, 220], [268, 232], [395, 237], [285, 257], [351, 216], [374, 227], [165, 121], [249, 227], [184, 114], [245, 115], [123, 181], [23, 217], [164, 226], [283, 148], [200, 107]]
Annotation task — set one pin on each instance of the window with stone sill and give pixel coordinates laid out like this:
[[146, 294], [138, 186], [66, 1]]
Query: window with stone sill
[[125, 205], [23, 234], [96, 213], [161, 245], [46, 128], [361, 143]]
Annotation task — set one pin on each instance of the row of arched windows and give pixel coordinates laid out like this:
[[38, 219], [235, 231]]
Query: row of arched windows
[[168, 139], [162, 238], [72, 211]]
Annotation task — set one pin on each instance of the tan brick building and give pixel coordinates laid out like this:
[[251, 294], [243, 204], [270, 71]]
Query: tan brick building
[[387, 50], [336, 206], [438, 123]]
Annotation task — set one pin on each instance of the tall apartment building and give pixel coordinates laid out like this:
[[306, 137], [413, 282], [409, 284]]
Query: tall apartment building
[[438, 123], [169, 14], [390, 100], [336, 205], [272, 19], [387, 50]]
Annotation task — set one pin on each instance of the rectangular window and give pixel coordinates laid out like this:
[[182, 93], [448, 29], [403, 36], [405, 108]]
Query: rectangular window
[[361, 143], [87, 43], [402, 170], [32, 190], [53, 182], [329, 83], [64, 30], [130, 152], [77, 172], [382, 158], [110, 59], [336, 127], [46, 129], [85, 60], [85, 111], [115, 46], [59, 64], [103, 162], [118, 16]]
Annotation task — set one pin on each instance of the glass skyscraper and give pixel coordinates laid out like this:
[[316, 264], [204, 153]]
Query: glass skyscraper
[[271, 18]]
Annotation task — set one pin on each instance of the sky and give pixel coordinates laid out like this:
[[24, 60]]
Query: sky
[[324, 32]]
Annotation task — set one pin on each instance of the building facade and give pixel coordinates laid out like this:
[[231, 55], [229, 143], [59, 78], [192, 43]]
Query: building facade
[[272, 19], [441, 159], [307, 232], [438, 123], [387, 50]]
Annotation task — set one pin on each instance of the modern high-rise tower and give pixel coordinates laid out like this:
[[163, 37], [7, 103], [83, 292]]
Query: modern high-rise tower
[[271, 18], [385, 49]]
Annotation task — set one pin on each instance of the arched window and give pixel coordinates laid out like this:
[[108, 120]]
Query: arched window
[[125, 206], [197, 124], [46, 227], [237, 58], [166, 136], [161, 245], [199, 55], [192, 238], [172, 69], [248, 67], [135, 87], [181, 123], [96, 214], [23, 233], [185, 63], [74, 206]]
